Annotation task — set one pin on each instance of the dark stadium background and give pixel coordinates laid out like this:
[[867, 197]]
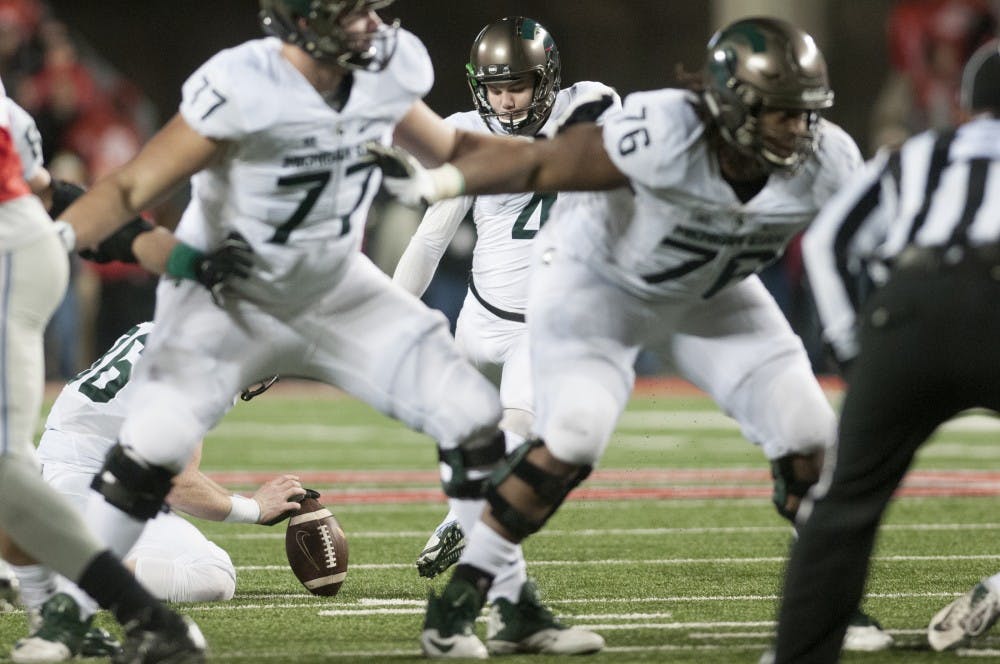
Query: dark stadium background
[[630, 44]]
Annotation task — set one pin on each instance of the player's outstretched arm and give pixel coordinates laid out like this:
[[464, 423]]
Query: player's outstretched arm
[[174, 154], [196, 494], [486, 164]]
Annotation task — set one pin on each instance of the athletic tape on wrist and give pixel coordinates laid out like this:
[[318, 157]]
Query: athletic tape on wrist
[[244, 510]]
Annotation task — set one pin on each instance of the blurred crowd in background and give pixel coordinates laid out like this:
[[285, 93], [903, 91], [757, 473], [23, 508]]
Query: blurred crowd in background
[[92, 119]]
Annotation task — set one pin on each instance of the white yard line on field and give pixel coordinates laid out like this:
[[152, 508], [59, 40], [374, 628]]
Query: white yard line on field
[[652, 561], [415, 653], [390, 602]]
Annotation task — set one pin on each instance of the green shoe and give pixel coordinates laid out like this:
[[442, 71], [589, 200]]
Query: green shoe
[[98, 642], [530, 627], [60, 635], [450, 621]]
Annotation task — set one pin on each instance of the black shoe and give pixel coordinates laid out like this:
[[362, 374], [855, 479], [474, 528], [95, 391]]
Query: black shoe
[[178, 641]]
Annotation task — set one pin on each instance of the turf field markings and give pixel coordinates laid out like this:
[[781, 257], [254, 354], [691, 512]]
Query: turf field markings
[[408, 486], [631, 532], [373, 601], [414, 653], [652, 561], [705, 636]]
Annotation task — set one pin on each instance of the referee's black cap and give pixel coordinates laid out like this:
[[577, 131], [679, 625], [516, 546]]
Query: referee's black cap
[[981, 79]]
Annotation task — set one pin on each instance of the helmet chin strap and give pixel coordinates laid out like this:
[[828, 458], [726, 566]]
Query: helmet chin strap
[[739, 165]]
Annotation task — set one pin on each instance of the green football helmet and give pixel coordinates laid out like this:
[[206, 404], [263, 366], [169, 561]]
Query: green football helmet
[[765, 63], [508, 49], [315, 26]]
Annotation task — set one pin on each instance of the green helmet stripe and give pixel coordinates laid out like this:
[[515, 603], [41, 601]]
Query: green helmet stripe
[[757, 40], [529, 29]]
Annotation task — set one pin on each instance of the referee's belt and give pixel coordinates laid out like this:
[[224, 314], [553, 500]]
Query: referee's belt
[[496, 311], [982, 259]]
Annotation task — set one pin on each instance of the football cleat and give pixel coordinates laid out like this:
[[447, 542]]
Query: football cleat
[[967, 617], [442, 550], [529, 627], [98, 642], [178, 641], [864, 634], [58, 637], [450, 621]]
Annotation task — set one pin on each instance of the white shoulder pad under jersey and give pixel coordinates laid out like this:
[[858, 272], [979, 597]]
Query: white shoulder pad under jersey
[[27, 139], [661, 118], [91, 408], [567, 96], [838, 158], [296, 181]]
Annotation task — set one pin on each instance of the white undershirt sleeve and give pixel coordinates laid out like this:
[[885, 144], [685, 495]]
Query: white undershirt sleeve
[[418, 263]]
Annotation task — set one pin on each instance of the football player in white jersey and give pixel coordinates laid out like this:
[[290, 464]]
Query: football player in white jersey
[[706, 187], [172, 558], [272, 134], [514, 75], [37, 522]]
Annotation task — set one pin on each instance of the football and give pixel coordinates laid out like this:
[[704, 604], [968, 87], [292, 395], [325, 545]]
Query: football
[[316, 548]]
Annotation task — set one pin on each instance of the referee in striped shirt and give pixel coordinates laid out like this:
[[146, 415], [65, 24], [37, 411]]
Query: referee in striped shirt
[[925, 223]]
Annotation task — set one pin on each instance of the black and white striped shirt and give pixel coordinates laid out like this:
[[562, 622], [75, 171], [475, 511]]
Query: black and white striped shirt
[[941, 189]]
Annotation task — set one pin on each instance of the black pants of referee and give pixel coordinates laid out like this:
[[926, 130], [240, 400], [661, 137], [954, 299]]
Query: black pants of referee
[[930, 348]]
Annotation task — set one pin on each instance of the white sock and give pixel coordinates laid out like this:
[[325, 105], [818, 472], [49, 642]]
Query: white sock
[[449, 517], [38, 584], [510, 580], [112, 526], [467, 512], [487, 550]]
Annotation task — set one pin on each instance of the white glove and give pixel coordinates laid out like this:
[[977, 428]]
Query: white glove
[[409, 182]]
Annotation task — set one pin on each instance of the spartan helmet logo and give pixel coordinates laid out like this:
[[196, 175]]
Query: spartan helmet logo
[[764, 63], [506, 50]]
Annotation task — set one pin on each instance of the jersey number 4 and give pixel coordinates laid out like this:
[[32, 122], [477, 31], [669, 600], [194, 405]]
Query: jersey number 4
[[528, 223]]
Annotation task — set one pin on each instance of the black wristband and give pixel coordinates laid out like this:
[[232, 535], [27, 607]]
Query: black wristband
[[63, 194], [118, 247]]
